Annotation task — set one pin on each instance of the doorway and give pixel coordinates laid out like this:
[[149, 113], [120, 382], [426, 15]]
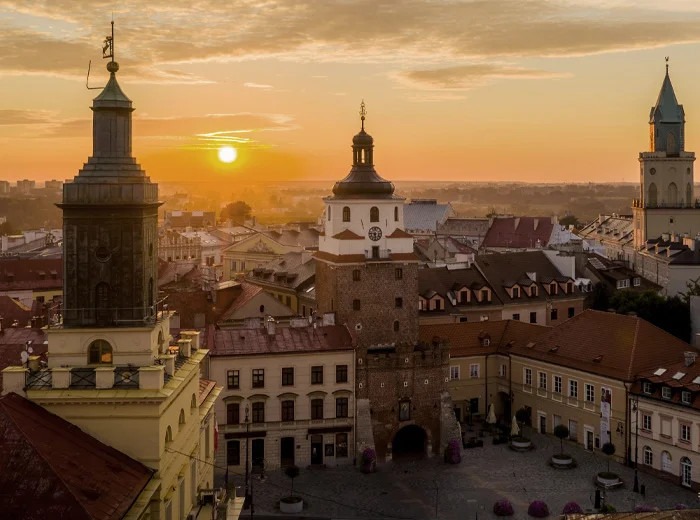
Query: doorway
[[505, 406], [543, 422], [589, 439], [258, 453], [317, 449], [409, 441], [573, 430], [458, 413], [287, 451]]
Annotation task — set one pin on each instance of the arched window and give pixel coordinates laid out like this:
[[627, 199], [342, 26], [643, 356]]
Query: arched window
[[686, 471], [181, 419], [193, 403], [329, 212], [374, 214], [99, 352], [396, 325], [688, 195], [653, 195], [396, 213], [671, 143], [666, 462], [648, 456], [346, 214], [673, 194], [168, 435]]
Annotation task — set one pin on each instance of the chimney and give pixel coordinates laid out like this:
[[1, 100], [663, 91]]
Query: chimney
[[36, 322], [33, 363], [665, 237], [270, 326], [689, 242], [536, 222], [689, 357]]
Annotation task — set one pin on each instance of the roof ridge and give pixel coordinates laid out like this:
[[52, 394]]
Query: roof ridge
[[4, 402]]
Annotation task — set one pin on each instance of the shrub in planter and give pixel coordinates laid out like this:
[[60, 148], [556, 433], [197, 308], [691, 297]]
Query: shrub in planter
[[292, 472], [369, 460], [538, 509], [572, 508], [607, 508], [643, 509], [503, 508], [453, 454], [609, 449], [562, 432], [680, 507]]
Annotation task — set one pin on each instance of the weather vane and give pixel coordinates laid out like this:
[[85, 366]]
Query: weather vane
[[363, 113], [108, 47], [666, 64], [107, 52]]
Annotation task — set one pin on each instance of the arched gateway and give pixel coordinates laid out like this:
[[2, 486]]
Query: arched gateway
[[409, 441]]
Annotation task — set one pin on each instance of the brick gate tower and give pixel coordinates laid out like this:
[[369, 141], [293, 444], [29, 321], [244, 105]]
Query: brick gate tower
[[367, 277]]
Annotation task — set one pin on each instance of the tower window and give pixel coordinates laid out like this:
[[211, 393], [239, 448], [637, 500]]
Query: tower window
[[374, 214], [396, 325], [356, 305], [346, 214], [355, 275], [99, 352], [398, 302], [396, 214], [399, 273], [329, 212]]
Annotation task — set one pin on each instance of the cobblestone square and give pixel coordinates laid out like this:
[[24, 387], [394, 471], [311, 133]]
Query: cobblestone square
[[411, 489]]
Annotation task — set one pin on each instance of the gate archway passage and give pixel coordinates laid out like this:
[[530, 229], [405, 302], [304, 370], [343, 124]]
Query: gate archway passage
[[410, 441]]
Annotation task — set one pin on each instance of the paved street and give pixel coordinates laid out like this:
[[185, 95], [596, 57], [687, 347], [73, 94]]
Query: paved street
[[468, 490]]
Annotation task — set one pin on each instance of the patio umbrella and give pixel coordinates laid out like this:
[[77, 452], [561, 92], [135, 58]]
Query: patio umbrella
[[491, 418], [514, 430]]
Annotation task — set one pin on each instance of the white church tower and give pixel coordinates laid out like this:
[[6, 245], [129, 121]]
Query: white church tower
[[666, 202]]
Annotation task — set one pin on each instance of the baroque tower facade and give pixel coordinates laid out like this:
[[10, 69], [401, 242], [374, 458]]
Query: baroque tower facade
[[367, 278], [110, 225], [666, 202]]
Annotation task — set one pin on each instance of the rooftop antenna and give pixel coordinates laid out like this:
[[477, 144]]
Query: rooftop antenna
[[107, 52]]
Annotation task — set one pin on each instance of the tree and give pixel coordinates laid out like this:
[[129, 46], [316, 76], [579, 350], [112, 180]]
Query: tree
[[562, 432], [601, 297], [693, 290], [669, 314], [609, 449], [236, 211], [522, 416], [292, 472]]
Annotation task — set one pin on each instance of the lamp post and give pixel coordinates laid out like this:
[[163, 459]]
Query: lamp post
[[635, 488], [247, 441]]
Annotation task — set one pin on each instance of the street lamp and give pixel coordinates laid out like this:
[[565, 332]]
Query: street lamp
[[247, 441], [635, 408]]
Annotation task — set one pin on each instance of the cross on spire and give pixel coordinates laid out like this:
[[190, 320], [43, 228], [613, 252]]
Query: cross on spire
[[666, 64], [363, 113]]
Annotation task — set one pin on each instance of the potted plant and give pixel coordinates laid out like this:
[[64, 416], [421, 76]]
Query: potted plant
[[538, 509], [369, 461], [503, 508], [680, 507], [291, 504], [607, 478], [643, 509], [607, 508], [561, 459], [520, 442], [572, 508]]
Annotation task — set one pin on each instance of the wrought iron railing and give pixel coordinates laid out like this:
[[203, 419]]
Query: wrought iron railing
[[39, 379], [126, 377], [378, 254], [638, 203], [82, 378], [109, 317]]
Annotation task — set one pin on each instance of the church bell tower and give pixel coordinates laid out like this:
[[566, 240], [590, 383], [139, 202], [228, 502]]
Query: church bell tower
[[110, 220]]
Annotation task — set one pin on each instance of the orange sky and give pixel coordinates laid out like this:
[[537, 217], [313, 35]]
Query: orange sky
[[471, 90]]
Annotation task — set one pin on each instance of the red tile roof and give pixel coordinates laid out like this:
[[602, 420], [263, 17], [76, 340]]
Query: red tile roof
[[245, 342], [346, 234], [205, 388], [247, 292], [33, 274], [50, 468], [519, 232], [13, 311], [14, 340], [399, 233]]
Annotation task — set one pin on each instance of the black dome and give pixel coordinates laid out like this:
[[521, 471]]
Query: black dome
[[363, 182], [362, 139]]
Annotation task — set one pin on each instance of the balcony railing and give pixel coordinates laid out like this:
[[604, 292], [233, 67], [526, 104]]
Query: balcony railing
[[108, 317], [378, 254], [638, 203]]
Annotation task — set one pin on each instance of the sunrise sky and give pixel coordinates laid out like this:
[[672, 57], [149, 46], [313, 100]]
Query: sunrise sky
[[483, 90]]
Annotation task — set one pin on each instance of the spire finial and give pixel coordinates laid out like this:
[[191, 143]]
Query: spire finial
[[108, 51], [363, 113], [666, 64]]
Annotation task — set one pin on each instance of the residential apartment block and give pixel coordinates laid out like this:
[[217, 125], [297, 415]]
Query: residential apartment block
[[288, 395]]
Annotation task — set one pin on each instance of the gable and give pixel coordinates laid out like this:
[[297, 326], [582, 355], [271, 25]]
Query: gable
[[259, 243], [251, 309]]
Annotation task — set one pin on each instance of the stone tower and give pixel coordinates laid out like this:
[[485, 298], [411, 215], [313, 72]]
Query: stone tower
[[666, 202], [110, 219], [366, 271], [367, 277]]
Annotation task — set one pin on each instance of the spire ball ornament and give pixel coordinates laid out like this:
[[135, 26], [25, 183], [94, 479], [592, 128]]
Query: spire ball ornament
[[113, 67]]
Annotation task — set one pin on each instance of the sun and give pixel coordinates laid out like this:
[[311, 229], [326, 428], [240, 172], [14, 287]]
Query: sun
[[227, 154]]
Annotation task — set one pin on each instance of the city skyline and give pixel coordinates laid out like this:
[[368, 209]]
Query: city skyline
[[465, 92]]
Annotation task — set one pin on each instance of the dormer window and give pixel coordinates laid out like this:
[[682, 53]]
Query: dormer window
[[516, 292], [374, 214], [553, 288], [646, 387], [484, 295], [637, 281], [464, 296], [666, 392], [346, 214], [685, 397], [569, 287]]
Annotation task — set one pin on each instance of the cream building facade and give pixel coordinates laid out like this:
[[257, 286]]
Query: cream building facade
[[252, 252], [296, 386]]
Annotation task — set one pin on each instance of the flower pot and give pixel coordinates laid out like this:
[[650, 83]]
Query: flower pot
[[291, 505], [521, 443], [607, 479], [561, 460]]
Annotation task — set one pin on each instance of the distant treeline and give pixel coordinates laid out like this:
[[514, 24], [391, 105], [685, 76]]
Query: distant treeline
[[31, 212]]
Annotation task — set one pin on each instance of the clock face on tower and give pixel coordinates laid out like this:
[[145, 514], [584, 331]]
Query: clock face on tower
[[374, 233]]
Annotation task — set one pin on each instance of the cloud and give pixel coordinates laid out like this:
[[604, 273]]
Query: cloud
[[156, 38], [465, 77], [258, 85], [24, 117]]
